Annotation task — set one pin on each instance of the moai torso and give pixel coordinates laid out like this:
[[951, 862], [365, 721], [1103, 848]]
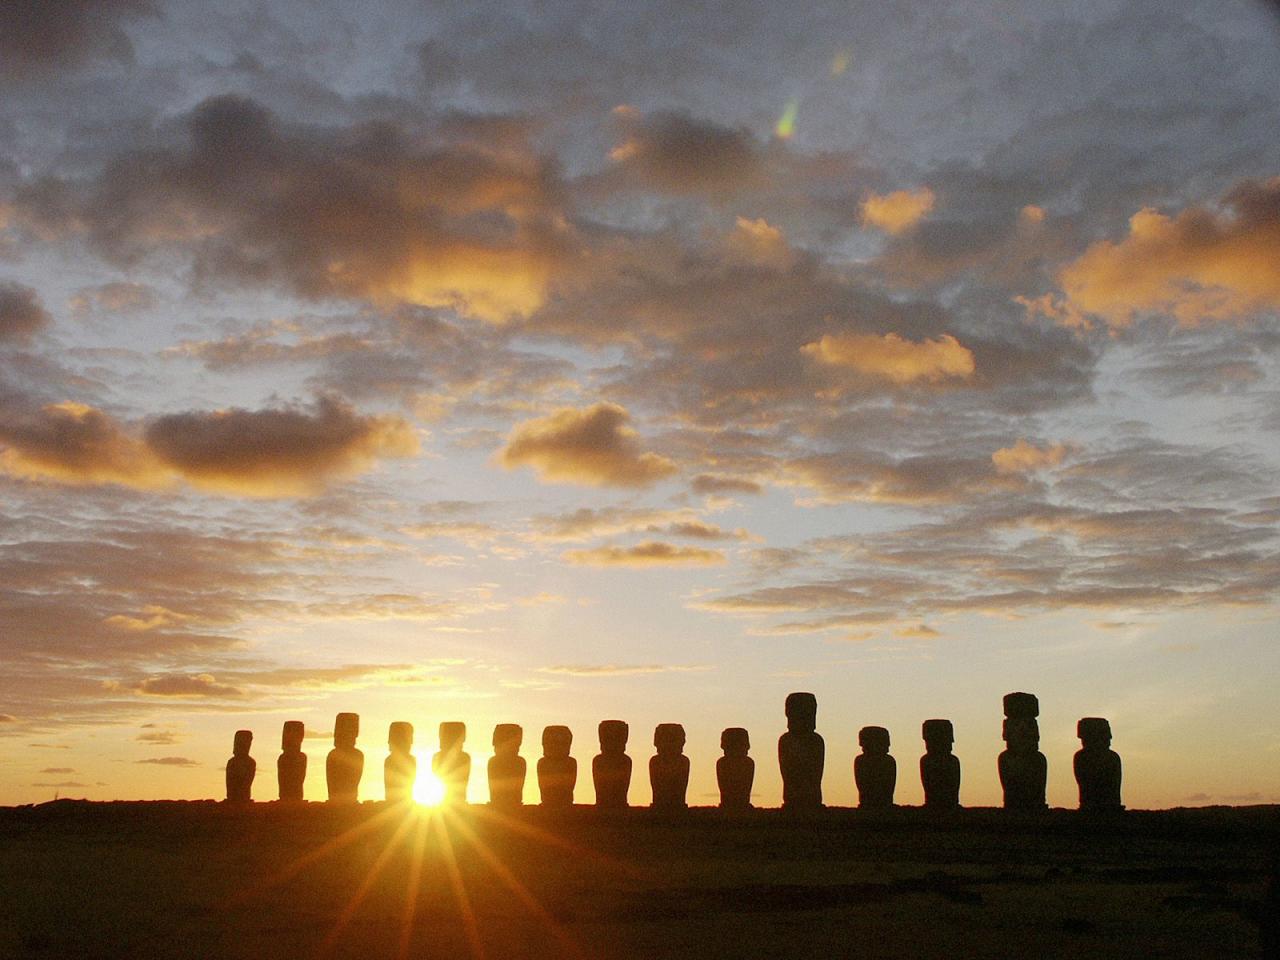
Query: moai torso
[[557, 771], [874, 771], [669, 768], [1024, 772], [1097, 766], [291, 765], [611, 767], [506, 766], [801, 754], [345, 764], [241, 769], [451, 765], [939, 767], [400, 769], [735, 771]]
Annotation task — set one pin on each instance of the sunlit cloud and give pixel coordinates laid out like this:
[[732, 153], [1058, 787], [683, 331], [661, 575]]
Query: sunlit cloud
[[170, 761], [650, 553], [1023, 457], [186, 686], [620, 669], [894, 358], [897, 211]]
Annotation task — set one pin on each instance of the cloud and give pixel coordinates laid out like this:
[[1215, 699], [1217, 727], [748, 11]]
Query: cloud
[[55, 770], [158, 737], [1203, 265], [674, 152], [587, 522], [117, 297], [894, 358], [8, 718], [37, 36], [711, 483], [22, 315], [897, 211], [187, 686], [593, 446], [1024, 457], [650, 553], [76, 444], [170, 762], [619, 669]]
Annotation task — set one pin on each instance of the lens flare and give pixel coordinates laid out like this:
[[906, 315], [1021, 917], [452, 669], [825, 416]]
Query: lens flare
[[787, 122]]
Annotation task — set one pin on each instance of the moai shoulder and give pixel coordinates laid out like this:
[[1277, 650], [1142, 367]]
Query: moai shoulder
[[939, 767], [735, 771], [557, 771], [874, 771], [611, 767], [241, 769], [801, 755], [506, 767], [669, 768], [291, 766]]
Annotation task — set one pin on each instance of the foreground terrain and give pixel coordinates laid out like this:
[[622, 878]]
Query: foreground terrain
[[208, 880]]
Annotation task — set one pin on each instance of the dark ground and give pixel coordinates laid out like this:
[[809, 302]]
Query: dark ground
[[207, 880]]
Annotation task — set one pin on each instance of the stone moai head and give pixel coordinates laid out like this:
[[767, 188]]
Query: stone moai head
[[874, 741], [735, 742], [802, 712], [400, 737], [292, 735], [1021, 706], [243, 741], [1094, 733], [556, 741], [938, 736], [669, 738], [613, 736], [1022, 733], [453, 733], [507, 738], [346, 727]]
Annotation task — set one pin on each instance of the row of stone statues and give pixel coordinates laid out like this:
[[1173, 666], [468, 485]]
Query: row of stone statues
[[801, 757]]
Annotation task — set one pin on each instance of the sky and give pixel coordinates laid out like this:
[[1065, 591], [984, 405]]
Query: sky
[[553, 362]]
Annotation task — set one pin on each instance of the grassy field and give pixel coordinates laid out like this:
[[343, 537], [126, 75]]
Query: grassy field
[[160, 880]]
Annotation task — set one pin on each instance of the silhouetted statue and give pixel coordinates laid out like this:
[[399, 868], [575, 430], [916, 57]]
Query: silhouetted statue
[[1023, 768], [557, 771], [874, 771], [451, 765], [611, 767], [400, 769], [801, 754], [291, 766], [345, 764], [241, 768], [1097, 766], [506, 766], [735, 771], [669, 768], [939, 767]]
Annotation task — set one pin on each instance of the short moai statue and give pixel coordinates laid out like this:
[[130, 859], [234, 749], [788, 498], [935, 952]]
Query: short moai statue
[[557, 771], [939, 767], [400, 769], [345, 764], [291, 766], [801, 755], [1023, 769], [506, 766], [452, 765], [874, 771], [611, 767], [1097, 766], [669, 768], [735, 771], [241, 769]]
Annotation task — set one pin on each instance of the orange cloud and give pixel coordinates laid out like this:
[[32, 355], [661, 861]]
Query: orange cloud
[[650, 553], [76, 444], [897, 211], [892, 357], [1024, 457], [1202, 265], [592, 446]]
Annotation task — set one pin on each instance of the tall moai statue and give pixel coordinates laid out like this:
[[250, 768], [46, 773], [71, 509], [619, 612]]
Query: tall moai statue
[[669, 768], [400, 769], [1024, 771], [291, 765], [241, 769], [506, 766], [939, 767], [452, 765], [611, 767], [735, 771], [345, 764], [874, 771], [801, 755], [557, 771], [1097, 766]]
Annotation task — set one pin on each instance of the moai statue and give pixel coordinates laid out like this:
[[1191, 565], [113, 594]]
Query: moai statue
[[451, 764], [345, 764], [400, 769], [1097, 766], [1023, 768], [801, 755], [291, 766], [557, 771], [241, 768], [669, 768], [874, 771], [939, 767], [735, 771], [611, 767], [506, 766]]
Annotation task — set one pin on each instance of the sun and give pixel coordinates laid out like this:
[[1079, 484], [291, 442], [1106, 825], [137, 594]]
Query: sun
[[428, 790]]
